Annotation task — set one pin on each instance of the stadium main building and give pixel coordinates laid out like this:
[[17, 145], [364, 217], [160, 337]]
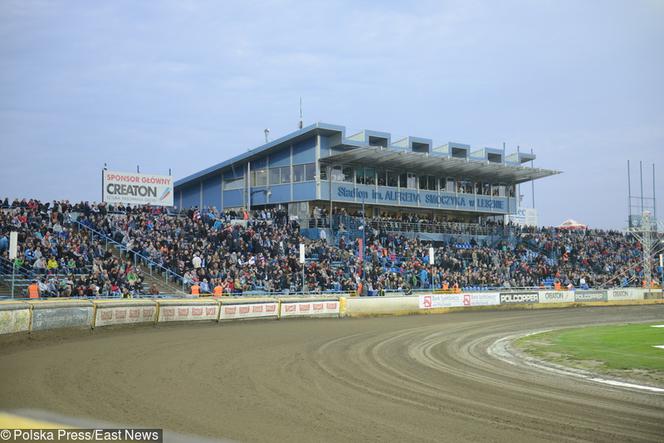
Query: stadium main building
[[320, 167]]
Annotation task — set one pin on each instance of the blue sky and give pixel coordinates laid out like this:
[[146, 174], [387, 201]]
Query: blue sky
[[185, 84]]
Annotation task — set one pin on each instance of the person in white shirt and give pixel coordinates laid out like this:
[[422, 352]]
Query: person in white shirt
[[196, 261]]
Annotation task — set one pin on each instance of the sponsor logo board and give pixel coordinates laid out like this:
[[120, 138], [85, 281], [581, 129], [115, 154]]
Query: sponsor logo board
[[253, 310], [433, 301], [184, 313], [133, 188], [556, 296], [309, 309], [591, 295], [518, 297], [108, 315], [625, 294]]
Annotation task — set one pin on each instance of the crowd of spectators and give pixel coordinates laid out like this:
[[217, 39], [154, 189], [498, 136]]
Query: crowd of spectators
[[63, 260], [236, 252]]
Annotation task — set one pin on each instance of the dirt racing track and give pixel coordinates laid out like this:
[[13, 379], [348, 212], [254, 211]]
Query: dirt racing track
[[413, 378]]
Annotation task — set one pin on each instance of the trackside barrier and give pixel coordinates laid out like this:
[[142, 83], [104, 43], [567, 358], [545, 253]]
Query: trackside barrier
[[652, 294], [253, 308], [120, 312], [57, 314], [591, 295], [625, 294], [187, 310], [366, 306], [519, 297], [309, 307], [39, 315], [556, 296], [14, 317], [433, 301]]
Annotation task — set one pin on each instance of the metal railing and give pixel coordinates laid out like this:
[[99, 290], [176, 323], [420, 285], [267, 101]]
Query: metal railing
[[353, 222], [136, 256]]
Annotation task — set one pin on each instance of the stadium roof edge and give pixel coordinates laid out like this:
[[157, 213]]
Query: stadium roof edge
[[293, 136], [361, 140]]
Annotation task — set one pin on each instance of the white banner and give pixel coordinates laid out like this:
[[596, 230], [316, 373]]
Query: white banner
[[626, 294], [556, 296], [310, 308], [13, 245], [248, 310], [188, 312], [433, 301], [140, 189], [116, 315]]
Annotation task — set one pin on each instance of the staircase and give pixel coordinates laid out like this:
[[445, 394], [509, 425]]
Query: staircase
[[152, 275], [167, 281]]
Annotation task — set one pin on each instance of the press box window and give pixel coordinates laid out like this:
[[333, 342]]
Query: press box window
[[285, 174], [275, 176], [298, 173], [310, 171], [259, 177]]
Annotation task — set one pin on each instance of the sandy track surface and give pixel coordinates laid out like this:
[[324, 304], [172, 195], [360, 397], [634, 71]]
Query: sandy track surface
[[420, 378]]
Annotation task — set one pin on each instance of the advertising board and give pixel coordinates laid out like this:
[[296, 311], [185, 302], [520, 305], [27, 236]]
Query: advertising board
[[590, 295], [48, 315], [433, 301], [115, 315], [519, 297], [625, 294], [14, 317], [188, 312], [135, 188], [317, 308], [556, 296], [249, 310]]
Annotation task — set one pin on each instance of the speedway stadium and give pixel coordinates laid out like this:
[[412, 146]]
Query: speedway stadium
[[331, 287]]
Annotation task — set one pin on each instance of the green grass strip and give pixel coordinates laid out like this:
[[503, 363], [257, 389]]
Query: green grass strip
[[622, 347]]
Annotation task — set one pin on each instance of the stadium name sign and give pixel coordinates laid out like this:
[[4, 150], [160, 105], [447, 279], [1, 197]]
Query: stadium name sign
[[421, 198], [140, 189]]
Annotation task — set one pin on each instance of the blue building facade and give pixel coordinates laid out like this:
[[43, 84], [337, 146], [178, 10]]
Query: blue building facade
[[320, 167]]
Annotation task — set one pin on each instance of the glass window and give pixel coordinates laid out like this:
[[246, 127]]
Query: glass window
[[298, 173], [233, 183], [259, 177], [359, 176], [412, 181], [310, 171], [323, 173], [369, 176], [423, 181], [382, 178], [348, 174], [275, 176], [337, 174], [403, 180], [392, 179], [285, 174], [451, 185]]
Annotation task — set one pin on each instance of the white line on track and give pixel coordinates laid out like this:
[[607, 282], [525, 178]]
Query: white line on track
[[501, 350]]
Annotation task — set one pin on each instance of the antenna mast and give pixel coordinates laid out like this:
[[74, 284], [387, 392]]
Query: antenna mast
[[301, 124]]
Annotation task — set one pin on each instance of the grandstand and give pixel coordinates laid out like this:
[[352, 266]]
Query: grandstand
[[104, 250], [318, 171]]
